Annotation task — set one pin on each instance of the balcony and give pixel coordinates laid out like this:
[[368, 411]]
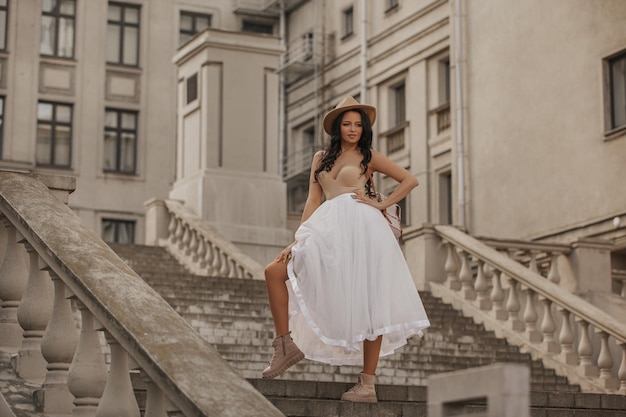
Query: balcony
[[298, 162], [266, 8]]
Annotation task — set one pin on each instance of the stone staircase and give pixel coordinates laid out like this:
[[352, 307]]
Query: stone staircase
[[234, 316]]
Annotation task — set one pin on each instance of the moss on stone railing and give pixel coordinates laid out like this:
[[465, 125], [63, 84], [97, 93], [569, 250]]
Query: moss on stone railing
[[51, 257]]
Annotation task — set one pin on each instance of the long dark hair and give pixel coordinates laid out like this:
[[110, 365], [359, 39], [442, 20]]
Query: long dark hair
[[333, 150]]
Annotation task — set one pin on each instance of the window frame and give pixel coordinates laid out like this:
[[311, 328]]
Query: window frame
[[119, 130], [116, 222], [5, 9], [193, 31], [399, 102], [57, 16], [347, 20], [121, 25], [609, 63], [2, 109], [54, 123]]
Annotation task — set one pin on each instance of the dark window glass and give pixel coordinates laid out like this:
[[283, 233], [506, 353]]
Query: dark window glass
[[123, 34], [192, 23], [120, 141], [4, 14], [348, 22], [54, 135], [57, 28], [256, 27], [400, 103], [118, 231], [617, 69], [1, 124], [192, 88], [391, 4]]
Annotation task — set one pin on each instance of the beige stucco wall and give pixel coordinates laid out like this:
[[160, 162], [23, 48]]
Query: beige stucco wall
[[538, 160]]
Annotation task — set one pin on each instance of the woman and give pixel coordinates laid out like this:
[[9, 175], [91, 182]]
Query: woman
[[343, 287]]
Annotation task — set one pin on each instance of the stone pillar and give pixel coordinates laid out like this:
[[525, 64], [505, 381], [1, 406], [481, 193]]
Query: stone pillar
[[590, 261], [157, 221], [504, 388], [425, 255]]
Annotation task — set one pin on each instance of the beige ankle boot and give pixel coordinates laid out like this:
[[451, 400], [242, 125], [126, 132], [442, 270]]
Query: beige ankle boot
[[364, 390], [286, 354]]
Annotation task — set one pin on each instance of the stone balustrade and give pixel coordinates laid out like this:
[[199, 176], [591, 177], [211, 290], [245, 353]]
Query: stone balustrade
[[195, 244], [54, 266], [568, 334]]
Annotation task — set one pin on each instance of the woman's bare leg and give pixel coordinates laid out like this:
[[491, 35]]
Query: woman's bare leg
[[371, 353], [278, 295]]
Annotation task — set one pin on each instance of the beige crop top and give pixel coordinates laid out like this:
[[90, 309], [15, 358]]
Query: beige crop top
[[349, 179]]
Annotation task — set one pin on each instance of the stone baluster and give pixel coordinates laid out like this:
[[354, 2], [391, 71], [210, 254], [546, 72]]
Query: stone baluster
[[183, 243], [13, 280], [585, 350], [118, 398], [466, 277], [497, 297], [484, 275], [156, 403], [58, 346], [201, 254], [180, 230], [532, 265], [553, 273], [513, 307], [621, 373], [530, 317], [451, 267], [566, 339], [209, 258], [548, 327], [225, 265], [171, 228], [193, 246], [216, 265], [88, 374], [605, 363], [33, 315]]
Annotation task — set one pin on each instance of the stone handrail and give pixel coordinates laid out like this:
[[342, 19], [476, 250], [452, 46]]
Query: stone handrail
[[202, 249], [53, 262], [521, 305]]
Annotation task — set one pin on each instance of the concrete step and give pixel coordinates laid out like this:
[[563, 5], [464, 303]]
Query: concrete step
[[310, 399], [233, 315]]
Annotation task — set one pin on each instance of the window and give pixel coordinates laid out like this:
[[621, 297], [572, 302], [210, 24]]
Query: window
[[307, 45], [617, 91], [391, 5], [192, 88], [348, 22], [120, 141], [118, 231], [57, 28], [4, 13], [1, 124], [444, 81], [399, 104], [123, 34], [445, 198], [54, 134], [192, 23], [257, 27]]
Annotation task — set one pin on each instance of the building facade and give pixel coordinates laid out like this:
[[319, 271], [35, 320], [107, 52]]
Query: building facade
[[512, 114]]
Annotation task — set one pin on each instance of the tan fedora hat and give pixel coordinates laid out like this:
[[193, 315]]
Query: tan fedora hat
[[347, 103]]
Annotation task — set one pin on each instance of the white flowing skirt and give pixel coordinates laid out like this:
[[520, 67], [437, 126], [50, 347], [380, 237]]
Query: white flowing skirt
[[349, 281]]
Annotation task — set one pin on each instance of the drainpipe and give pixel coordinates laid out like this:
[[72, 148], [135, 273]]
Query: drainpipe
[[281, 92], [460, 151], [363, 51]]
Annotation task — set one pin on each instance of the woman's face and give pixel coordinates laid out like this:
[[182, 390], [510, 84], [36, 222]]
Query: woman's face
[[351, 127]]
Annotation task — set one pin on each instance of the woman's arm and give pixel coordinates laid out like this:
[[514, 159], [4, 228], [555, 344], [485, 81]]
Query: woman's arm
[[406, 180], [314, 198]]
